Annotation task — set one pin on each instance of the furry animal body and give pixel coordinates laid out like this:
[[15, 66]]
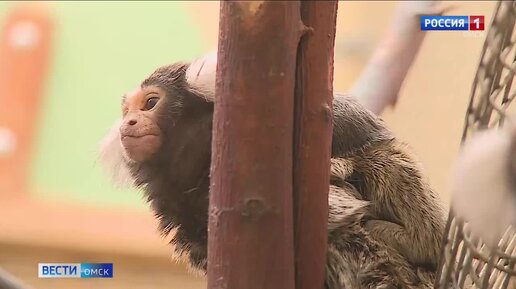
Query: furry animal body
[[385, 224]]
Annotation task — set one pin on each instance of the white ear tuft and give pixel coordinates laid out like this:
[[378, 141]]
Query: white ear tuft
[[111, 157], [201, 74]]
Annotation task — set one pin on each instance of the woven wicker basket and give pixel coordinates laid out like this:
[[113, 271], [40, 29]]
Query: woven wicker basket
[[466, 262]]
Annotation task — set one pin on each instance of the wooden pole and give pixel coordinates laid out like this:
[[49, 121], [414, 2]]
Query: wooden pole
[[271, 145], [25, 48], [250, 228], [312, 141]]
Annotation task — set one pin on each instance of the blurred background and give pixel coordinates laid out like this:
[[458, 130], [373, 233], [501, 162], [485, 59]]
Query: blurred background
[[63, 69]]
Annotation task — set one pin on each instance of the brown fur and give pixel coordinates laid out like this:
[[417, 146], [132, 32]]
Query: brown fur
[[405, 213], [354, 259], [375, 185]]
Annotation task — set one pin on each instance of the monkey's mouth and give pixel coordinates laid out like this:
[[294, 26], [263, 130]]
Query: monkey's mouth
[[137, 136], [139, 140], [140, 147]]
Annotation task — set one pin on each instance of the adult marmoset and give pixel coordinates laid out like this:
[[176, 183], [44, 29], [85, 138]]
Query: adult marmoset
[[385, 223]]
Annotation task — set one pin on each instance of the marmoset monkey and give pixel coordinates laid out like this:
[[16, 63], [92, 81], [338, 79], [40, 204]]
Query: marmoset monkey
[[385, 223]]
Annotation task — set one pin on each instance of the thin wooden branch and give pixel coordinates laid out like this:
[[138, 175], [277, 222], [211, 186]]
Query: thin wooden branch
[[7, 281], [313, 131], [250, 227], [379, 84]]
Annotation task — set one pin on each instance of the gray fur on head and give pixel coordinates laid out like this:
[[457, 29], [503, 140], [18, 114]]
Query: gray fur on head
[[352, 119]]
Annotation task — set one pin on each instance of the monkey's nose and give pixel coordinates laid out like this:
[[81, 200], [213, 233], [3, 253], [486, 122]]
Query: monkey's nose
[[132, 122]]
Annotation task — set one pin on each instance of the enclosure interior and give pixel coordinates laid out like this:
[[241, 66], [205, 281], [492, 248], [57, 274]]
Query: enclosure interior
[[100, 50]]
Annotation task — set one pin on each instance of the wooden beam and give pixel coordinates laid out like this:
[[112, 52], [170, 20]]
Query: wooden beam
[[312, 141], [250, 228], [25, 48]]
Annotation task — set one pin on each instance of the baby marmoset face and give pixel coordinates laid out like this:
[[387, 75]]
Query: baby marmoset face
[[167, 97], [140, 135]]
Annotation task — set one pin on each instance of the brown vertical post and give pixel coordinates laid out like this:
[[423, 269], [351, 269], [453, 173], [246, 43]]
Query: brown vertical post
[[312, 141], [250, 226]]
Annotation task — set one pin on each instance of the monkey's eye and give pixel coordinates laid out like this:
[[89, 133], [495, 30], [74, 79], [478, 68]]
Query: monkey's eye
[[151, 103]]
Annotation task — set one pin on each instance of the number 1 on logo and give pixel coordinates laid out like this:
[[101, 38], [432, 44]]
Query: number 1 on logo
[[476, 23]]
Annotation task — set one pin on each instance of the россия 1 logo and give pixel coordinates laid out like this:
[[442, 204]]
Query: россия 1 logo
[[471, 23]]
